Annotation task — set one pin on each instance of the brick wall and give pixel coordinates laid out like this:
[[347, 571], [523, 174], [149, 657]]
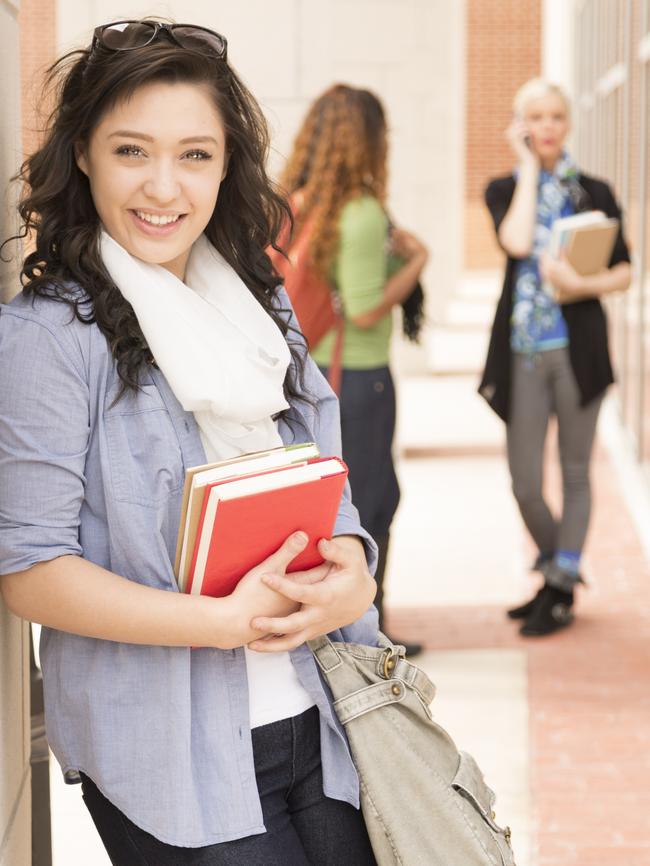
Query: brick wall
[[37, 21], [503, 51]]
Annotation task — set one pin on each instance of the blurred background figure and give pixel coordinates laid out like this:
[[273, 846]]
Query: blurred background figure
[[336, 176], [548, 352]]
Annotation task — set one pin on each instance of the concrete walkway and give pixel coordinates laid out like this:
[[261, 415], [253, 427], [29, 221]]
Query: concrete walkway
[[561, 725]]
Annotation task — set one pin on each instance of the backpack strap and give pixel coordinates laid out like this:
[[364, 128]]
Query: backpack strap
[[335, 370]]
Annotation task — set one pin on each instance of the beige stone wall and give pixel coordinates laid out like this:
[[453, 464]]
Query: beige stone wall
[[15, 790], [15, 782], [26, 45], [15, 799]]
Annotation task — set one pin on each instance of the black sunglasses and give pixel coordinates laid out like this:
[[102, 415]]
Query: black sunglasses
[[129, 35]]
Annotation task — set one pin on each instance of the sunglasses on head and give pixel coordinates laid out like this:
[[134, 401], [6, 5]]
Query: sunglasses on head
[[129, 35]]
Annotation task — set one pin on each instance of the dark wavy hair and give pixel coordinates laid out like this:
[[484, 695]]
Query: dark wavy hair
[[58, 215]]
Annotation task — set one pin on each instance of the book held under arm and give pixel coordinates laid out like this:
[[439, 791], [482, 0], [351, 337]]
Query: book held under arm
[[237, 513], [587, 239]]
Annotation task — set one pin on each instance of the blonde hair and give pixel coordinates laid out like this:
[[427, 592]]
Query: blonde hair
[[536, 88]]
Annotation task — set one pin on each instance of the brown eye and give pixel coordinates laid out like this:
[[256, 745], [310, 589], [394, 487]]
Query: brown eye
[[129, 150], [198, 155]]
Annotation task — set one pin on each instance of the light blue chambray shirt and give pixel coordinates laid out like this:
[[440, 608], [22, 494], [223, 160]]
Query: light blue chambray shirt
[[163, 731]]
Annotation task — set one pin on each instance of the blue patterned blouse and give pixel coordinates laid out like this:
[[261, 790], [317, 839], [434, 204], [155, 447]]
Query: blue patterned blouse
[[537, 323]]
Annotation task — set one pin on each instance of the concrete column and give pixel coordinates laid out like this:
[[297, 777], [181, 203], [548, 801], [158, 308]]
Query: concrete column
[[15, 780], [558, 19]]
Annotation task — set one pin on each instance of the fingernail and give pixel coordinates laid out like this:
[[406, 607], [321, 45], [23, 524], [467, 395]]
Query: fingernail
[[324, 543], [301, 538]]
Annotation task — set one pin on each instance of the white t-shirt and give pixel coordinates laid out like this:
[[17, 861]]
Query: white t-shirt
[[274, 690]]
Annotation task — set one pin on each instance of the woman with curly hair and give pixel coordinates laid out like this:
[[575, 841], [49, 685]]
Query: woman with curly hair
[[151, 336], [336, 175]]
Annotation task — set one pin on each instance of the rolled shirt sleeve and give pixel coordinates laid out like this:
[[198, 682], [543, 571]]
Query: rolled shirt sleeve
[[44, 435]]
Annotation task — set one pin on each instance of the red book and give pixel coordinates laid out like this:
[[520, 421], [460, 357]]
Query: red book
[[245, 520]]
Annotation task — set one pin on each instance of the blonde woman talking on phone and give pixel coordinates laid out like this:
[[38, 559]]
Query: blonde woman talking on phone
[[548, 352]]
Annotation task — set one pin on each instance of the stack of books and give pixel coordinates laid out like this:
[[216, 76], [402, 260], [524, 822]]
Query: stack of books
[[587, 239], [238, 512]]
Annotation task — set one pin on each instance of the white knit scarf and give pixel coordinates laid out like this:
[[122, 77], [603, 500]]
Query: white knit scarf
[[223, 356]]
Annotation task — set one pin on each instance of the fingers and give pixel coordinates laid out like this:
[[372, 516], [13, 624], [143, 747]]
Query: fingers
[[281, 643], [518, 136], [318, 593], [545, 264], [338, 553], [518, 129], [282, 625], [312, 575], [294, 545]]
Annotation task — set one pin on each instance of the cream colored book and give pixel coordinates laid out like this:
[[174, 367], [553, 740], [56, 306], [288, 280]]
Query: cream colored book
[[587, 238]]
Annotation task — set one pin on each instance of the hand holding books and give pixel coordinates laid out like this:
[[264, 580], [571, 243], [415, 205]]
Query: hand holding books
[[255, 593], [237, 512], [580, 245], [560, 279], [324, 605], [254, 597], [239, 539]]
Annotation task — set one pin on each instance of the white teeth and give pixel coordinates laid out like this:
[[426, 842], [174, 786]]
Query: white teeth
[[156, 219]]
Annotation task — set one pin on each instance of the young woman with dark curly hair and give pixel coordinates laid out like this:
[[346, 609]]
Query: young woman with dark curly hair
[[548, 350], [149, 336], [337, 174]]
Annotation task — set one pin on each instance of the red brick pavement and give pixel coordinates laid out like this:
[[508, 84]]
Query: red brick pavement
[[589, 695]]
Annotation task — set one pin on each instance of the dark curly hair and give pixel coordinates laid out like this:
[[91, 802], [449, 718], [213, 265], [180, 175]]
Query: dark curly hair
[[59, 218]]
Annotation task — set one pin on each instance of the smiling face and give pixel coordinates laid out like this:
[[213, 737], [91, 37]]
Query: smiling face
[[547, 120], [154, 163]]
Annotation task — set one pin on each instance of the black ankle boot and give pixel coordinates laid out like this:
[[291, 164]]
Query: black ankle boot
[[552, 611], [542, 562], [525, 610]]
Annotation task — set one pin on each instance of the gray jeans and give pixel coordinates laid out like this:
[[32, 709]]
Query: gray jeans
[[543, 385]]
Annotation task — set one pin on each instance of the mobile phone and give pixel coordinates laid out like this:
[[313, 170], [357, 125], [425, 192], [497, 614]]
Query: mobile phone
[[526, 137]]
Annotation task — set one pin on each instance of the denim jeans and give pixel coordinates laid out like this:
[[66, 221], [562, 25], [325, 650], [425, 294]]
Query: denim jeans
[[368, 411], [303, 826], [543, 385]]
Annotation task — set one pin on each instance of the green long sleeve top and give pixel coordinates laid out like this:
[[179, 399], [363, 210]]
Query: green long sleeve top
[[359, 273]]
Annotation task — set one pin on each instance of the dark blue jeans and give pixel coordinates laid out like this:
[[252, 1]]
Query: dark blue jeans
[[367, 401], [303, 826]]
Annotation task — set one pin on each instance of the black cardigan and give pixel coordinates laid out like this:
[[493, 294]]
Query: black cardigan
[[586, 323]]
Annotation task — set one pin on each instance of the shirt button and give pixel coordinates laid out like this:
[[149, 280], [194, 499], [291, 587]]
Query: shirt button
[[379, 387]]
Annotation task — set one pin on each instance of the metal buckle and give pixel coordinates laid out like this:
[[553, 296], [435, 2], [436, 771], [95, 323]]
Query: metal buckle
[[390, 661]]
